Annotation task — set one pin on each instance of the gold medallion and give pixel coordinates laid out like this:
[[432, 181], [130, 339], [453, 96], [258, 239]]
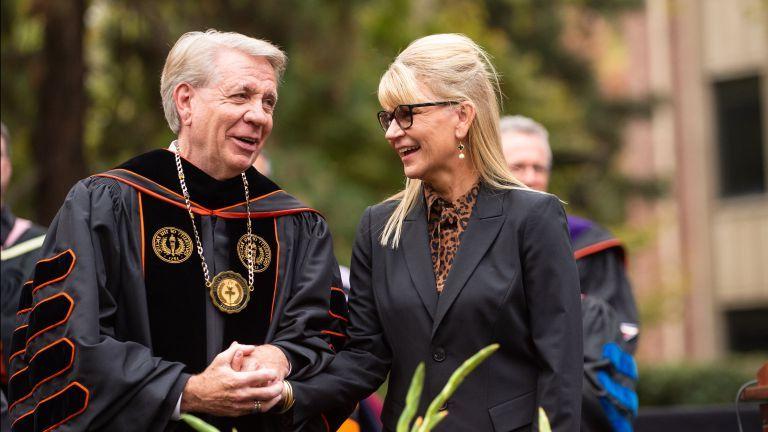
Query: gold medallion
[[262, 254], [229, 292], [172, 245]]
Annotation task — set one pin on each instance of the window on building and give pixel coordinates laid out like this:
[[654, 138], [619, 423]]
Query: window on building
[[740, 137], [747, 329]]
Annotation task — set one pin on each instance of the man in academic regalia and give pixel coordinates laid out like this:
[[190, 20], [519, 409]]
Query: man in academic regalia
[[599, 255], [163, 278], [20, 242], [605, 288]]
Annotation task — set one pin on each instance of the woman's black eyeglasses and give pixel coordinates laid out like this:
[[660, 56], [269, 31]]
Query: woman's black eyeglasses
[[403, 114]]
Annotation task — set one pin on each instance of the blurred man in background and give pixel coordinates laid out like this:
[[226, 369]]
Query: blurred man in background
[[608, 308], [600, 256], [21, 241]]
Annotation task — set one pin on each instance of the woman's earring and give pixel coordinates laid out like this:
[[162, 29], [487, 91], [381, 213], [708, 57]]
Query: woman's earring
[[461, 150]]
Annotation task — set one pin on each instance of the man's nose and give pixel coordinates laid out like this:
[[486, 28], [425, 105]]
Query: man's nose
[[255, 114]]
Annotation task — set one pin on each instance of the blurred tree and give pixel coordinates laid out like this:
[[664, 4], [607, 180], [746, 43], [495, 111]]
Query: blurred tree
[[57, 139], [585, 125], [327, 147], [43, 97]]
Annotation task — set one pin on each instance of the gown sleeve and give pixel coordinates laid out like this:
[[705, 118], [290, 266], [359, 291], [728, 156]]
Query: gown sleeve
[[603, 276], [314, 314], [313, 317], [70, 370], [362, 366]]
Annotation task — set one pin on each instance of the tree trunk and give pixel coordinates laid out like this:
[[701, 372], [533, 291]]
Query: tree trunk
[[57, 138]]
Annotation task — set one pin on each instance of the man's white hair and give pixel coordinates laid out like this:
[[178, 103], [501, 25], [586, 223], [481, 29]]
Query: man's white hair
[[526, 125], [193, 60]]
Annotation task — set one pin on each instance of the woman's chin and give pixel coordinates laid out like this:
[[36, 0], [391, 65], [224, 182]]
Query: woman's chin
[[413, 173]]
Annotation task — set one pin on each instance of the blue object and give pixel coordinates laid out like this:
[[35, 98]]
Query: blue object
[[621, 361], [620, 402], [619, 423], [625, 396]]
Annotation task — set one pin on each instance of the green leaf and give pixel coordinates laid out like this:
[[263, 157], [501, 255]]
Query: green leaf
[[453, 383], [412, 399], [198, 424], [543, 421]]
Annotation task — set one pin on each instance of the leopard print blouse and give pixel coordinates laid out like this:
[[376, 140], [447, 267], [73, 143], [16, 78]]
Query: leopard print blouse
[[446, 223]]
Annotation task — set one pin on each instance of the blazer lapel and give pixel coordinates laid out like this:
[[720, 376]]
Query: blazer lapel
[[418, 259], [483, 227]]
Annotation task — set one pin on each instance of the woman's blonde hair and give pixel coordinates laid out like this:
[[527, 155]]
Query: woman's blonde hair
[[453, 68]]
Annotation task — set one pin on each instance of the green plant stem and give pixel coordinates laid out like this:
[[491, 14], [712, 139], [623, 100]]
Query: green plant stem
[[412, 399], [198, 424], [543, 421], [417, 424], [453, 383]]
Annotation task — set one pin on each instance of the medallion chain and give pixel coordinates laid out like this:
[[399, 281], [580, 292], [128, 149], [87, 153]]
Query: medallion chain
[[198, 243]]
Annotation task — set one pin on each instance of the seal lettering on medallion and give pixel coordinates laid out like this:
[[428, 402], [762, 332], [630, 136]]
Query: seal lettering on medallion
[[229, 292], [262, 254], [172, 245]]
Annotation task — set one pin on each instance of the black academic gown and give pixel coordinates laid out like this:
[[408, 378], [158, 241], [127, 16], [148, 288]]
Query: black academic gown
[[601, 258], [20, 252], [18, 261], [118, 316], [608, 297]]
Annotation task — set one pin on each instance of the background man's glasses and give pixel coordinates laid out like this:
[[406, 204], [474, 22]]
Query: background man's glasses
[[403, 114]]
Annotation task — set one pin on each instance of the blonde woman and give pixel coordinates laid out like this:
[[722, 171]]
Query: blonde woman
[[463, 257]]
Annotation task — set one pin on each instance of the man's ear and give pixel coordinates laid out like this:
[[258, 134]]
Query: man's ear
[[182, 97], [466, 112]]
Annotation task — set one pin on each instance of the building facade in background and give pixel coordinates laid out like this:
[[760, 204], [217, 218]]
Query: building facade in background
[[701, 272]]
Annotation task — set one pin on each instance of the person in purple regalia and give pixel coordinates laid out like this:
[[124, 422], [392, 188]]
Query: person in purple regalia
[[609, 310]]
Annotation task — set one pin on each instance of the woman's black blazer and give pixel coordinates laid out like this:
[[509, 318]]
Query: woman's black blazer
[[513, 281]]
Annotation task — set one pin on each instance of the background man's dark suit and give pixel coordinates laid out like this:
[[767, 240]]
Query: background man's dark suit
[[514, 281]]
